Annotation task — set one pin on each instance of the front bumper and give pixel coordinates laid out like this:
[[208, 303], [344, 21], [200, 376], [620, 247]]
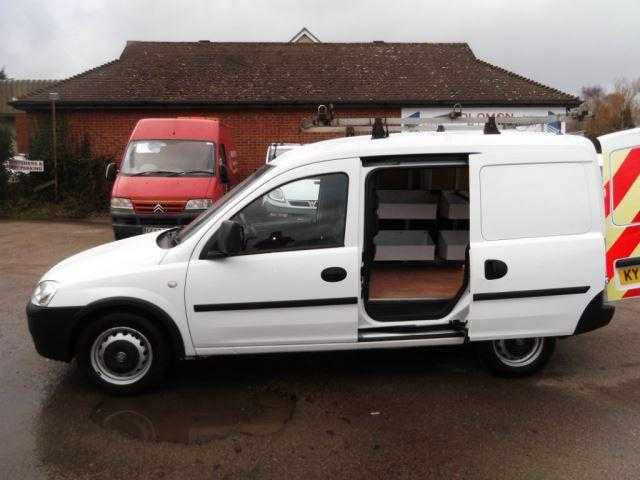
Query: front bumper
[[130, 224], [52, 330]]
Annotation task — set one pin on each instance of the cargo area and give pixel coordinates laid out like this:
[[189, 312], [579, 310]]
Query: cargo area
[[397, 282], [417, 234]]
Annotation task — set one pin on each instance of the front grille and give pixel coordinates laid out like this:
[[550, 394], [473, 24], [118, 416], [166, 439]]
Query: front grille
[[165, 220], [162, 222], [158, 207]]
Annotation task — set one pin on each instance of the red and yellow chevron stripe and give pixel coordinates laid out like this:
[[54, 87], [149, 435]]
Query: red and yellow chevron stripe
[[621, 174]]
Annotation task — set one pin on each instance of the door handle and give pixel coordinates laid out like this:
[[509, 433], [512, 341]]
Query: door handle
[[494, 269], [333, 274]]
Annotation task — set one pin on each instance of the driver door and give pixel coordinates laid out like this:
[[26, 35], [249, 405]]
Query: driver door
[[297, 281]]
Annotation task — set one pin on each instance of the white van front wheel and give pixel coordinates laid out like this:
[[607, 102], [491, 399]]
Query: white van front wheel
[[123, 353], [518, 356]]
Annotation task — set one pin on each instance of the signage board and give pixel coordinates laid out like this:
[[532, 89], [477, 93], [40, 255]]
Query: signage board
[[20, 164], [487, 112]]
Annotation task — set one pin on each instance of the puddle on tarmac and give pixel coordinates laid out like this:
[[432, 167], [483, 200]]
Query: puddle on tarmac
[[196, 416]]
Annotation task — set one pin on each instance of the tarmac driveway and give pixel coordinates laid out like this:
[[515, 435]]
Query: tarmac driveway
[[411, 414]]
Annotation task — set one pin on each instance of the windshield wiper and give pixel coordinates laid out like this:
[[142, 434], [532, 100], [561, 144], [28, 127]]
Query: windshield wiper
[[170, 173], [190, 172]]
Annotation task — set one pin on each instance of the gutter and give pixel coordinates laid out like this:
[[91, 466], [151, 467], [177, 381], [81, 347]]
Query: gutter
[[86, 105]]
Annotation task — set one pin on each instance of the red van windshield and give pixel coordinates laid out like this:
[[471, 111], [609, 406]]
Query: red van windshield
[[187, 231], [169, 157]]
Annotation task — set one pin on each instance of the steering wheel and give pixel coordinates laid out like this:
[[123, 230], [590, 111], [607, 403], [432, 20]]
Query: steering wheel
[[249, 231]]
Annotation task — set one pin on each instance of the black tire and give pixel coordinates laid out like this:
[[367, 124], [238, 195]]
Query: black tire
[[526, 358], [131, 340]]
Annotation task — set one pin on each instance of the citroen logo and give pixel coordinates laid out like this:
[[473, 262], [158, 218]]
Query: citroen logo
[[158, 208]]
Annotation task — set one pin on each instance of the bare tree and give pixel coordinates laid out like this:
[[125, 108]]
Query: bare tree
[[592, 93], [616, 110]]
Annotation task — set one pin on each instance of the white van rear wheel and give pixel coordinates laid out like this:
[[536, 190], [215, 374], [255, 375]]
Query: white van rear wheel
[[518, 356]]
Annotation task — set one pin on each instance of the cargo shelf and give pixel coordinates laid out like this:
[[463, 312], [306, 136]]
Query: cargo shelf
[[452, 244], [453, 206], [404, 245], [406, 205]]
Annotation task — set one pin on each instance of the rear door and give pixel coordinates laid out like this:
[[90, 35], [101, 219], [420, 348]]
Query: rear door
[[621, 167], [536, 251]]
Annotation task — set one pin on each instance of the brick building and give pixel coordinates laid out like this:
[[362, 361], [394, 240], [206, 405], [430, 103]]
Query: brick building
[[11, 89], [264, 90]]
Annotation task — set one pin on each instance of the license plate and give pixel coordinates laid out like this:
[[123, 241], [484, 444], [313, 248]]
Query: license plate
[[629, 275], [152, 229]]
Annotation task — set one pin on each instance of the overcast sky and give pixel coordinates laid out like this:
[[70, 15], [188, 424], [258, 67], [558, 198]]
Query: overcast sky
[[565, 44]]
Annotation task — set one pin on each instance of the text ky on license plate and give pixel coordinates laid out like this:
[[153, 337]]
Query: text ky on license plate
[[153, 229], [629, 275]]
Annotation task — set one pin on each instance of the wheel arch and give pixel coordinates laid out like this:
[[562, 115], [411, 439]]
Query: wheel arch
[[132, 305]]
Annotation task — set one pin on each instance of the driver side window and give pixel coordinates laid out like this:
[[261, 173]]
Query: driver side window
[[303, 214]]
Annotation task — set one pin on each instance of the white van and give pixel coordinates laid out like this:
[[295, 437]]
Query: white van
[[418, 239]]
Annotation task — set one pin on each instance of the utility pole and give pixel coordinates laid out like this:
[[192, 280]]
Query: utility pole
[[53, 96]]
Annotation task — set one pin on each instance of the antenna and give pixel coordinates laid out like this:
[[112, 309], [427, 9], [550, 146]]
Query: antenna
[[378, 130], [490, 128]]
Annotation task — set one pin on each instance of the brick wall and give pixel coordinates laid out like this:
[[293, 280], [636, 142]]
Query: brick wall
[[253, 129], [22, 132]]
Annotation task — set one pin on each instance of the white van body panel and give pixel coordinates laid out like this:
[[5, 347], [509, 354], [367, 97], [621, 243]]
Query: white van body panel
[[545, 222], [131, 268], [288, 276], [176, 280], [326, 347]]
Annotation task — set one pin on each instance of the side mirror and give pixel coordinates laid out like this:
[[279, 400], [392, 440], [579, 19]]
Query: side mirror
[[224, 174], [228, 240], [111, 172]]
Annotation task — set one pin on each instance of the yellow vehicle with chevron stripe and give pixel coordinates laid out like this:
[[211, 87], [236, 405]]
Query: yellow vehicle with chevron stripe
[[621, 172]]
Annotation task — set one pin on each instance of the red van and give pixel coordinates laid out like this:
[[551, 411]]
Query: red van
[[172, 170]]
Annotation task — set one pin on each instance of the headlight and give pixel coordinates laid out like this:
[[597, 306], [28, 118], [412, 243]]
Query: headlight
[[44, 292], [277, 195], [121, 203], [198, 204]]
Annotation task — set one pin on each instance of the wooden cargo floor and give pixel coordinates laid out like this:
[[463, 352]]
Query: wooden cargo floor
[[415, 282]]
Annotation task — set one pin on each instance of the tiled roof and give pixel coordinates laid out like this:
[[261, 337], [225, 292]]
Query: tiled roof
[[212, 73], [10, 89]]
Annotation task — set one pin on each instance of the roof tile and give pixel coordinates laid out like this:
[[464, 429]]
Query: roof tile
[[299, 73]]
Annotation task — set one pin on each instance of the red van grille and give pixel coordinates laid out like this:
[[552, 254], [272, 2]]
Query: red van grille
[[158, 207]]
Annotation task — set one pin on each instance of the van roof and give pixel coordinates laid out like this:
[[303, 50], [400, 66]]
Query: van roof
[[410, 143], [181, 128], [621, 139]]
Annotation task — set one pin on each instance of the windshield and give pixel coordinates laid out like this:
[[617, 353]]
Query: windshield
[[188, 230], [168, 157]]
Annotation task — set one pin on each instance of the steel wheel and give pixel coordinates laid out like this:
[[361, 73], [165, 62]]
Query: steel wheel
[[121, 355], [518, 352]]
